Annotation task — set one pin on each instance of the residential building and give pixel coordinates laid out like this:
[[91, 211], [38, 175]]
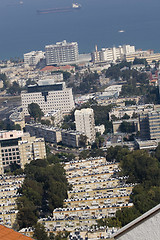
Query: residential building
[[149, 55], [131, 110], [51, 134], [96, 193], [8, 197], [54, 135], [18, 147], [32, 58], [112, 54], [70, 138], [150, 124], [61, 53], [154, 124], [49, 96], [145, 227], [85, 123], [144, 126]]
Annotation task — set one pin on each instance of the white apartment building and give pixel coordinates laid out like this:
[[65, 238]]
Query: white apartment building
[[112, 54], [84, 120], [61, 53], [32, 58], [49, 96], [18, 147]]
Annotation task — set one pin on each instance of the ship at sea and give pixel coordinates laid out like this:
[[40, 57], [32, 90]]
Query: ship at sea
[[75, 6]]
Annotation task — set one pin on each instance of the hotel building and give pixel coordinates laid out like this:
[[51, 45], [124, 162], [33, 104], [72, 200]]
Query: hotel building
[[62, 53]]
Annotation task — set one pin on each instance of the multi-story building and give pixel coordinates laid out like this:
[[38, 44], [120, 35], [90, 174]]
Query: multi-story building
[[150, 124], [96, 193], [154, 124], [149, 55], [54, 135], [84, 120], [62, 53], [112, 54], [32, 58], [51, 134], [9, 186], [70, 138], [18, 147], [49, 96]]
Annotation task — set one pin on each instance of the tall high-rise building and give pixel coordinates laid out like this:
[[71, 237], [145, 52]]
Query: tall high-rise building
[[49, 96], [32, 58], [85, 123], [62, 53], [21, 148]]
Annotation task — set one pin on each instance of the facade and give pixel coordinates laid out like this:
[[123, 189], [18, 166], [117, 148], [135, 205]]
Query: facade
[[70, 138], [149, 55], [96, 193], [54, 135], [84, 120], [49, 96], [154, 124], [150, 125], [18, 147], [8, 196], [62, 53], [32, 58], [50, 134], [145, 227], [112, 54]]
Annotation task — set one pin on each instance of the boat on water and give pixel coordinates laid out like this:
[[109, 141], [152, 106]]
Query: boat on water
[[121, 31], [58, 10]]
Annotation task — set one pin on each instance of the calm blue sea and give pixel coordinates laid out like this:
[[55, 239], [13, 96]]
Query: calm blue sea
[[98, 22]]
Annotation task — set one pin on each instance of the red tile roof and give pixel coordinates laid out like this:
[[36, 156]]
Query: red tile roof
[[10, 234], [52, 68]]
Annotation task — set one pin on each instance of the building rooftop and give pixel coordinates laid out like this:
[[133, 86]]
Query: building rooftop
[[138, 220], [10, 234]]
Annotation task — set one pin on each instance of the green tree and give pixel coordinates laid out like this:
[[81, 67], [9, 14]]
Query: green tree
[[35, 111], [14, 89], [44, 188], [83, 140], [127, 127], [39, 232], [66, 75]]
